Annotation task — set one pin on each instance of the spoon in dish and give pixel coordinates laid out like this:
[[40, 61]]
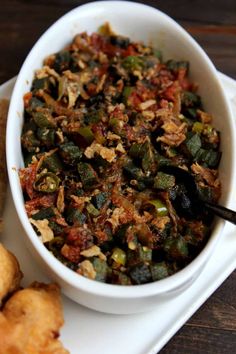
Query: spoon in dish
[[187, 199]]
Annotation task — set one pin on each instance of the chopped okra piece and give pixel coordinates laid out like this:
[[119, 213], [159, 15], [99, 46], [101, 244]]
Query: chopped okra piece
[[87, 174], [87, 134], [138, 254], [44, 213], [115, 125], [120, 41], [47, 182], [92, 210], [145, 253], [43, 119], [62, 61], [29, 141], [46, 136], [137, 151], [101, 268], [159, 271], [175, 66], [70, 153], [56, 228], [40, 84], [162, 160], [149, 163], [93, 116], [140, 273], [119, 256], [209, 157], [52, 163], [193, 144], [164, 181], [133, 171], [176, 248], [99, 199], [56, 244], [206, 193], [121, 233], [161, 208], [75, 216], [190, 99], [120, 278], [191, 113], [33, 104], [126, 93]]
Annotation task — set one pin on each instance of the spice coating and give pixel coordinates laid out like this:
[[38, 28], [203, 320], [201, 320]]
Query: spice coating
[[102, 119]]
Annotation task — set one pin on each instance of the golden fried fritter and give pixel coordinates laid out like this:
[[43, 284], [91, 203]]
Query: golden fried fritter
[[10, 274], [30, 321]]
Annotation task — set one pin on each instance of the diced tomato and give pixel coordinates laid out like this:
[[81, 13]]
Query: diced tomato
[[163, 103], [100, 44], [131, 50], [97, 41], [45, 201], [79, 237], [91, 89], [170, 92], [27, 97], [130, 133], [72, 253], [101, 70], [101, 236], [134, 99], [182, 78], [27, 178], [60, 221], [145, 93], [99, 132]]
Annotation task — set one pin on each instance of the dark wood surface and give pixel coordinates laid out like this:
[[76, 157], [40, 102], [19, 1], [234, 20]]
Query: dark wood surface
[[213, 24]]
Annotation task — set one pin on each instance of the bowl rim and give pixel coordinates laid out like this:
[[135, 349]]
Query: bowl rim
[[70, 277]]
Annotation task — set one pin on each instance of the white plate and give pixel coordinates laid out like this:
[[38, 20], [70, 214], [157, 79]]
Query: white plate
[[86, 331]]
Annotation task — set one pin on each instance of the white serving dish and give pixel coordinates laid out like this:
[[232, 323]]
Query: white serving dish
[[153, 26], [145, 333]]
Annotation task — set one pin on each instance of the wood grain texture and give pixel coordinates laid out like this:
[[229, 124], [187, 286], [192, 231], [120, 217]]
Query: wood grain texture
[[213, 24], [212, 329]]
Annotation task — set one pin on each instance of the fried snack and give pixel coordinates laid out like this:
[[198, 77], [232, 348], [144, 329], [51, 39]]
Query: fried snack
[[30, 321], [10, 274], [3, 175]]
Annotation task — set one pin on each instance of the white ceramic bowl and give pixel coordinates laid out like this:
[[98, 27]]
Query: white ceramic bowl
[[139, 22]]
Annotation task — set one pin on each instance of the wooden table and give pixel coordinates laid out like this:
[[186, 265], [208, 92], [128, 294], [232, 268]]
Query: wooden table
[[213, 24]]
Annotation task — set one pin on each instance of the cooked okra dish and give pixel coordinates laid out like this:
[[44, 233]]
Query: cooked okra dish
[[104, 122]]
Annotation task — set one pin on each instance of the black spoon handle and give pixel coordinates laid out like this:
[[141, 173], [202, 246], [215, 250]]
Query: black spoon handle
[[223, 212]]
